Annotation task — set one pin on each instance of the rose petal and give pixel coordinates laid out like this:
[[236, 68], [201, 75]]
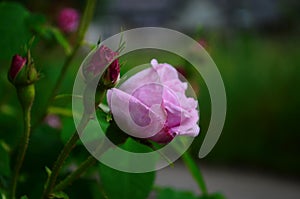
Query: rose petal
[[140, 79], [153, 103], [188, 124], [164, 136], [149, 94], [176, 85], [165, 71], [134, 117]]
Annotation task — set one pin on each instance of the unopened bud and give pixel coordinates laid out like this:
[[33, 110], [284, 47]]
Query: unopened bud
[[98, 62], [17, 64], [68, 20]]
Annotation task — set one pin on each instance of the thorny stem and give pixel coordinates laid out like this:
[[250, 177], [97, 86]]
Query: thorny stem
[[63, 155], [22, 149], [84, 23], [76, 174], [90, 161]]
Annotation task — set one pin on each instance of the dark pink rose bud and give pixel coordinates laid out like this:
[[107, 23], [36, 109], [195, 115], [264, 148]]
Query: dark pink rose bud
[[102, 61], [112, 74], [181, 70], [203, 43], [22, 71], [22, 75], [68, 20], [101, 58], [17, 64]]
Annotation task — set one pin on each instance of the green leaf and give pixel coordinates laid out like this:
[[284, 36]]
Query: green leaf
[[2, 194], [50, 33], [48, 171], [59, 194], [36, 22], [13, 29], [115, 134], [61, 40], [60, 111], [97, 191], [24, 197], [195, 171], [66, 97], [4, 163], [122, 185], [168, 193], [102, 119]]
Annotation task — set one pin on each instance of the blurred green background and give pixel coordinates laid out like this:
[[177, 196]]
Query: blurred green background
[[255, 45]]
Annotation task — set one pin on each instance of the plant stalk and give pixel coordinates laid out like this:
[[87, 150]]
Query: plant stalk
[[83, 26], [195, 171], [63, 155], [76, 174], [22, 149], [90, 161]]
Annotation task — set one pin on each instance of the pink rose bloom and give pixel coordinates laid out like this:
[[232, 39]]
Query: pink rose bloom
[[68, 20], [152, 104]]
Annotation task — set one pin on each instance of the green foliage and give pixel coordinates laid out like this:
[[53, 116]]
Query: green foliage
[[18, 25], [68, 129], [60, 194], [115, 134], [260, 75], [5, 160], [168, 193], [13, 29], [122, 185], [195, 171], [103, 119], [52, 33]]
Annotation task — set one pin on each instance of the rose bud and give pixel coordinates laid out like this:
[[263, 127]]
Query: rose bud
[[112, 74], [152, 104], [68, 20], [203, 43], [102, 58], [18, 62], [101, 62], [22, 74], [22, 71]]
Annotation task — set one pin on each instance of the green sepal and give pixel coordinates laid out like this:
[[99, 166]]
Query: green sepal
[[26, 95]]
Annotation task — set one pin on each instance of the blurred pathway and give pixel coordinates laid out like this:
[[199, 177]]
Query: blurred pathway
[[233, 183]]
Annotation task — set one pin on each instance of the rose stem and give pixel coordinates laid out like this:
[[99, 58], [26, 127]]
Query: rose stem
[[195, 171], [83, 26], [63, 155], [76, 174], [70, 145], [23, 147], [90, 161]]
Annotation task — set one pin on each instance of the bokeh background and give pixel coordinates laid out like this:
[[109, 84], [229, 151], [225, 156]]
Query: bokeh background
[[254, 43]]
